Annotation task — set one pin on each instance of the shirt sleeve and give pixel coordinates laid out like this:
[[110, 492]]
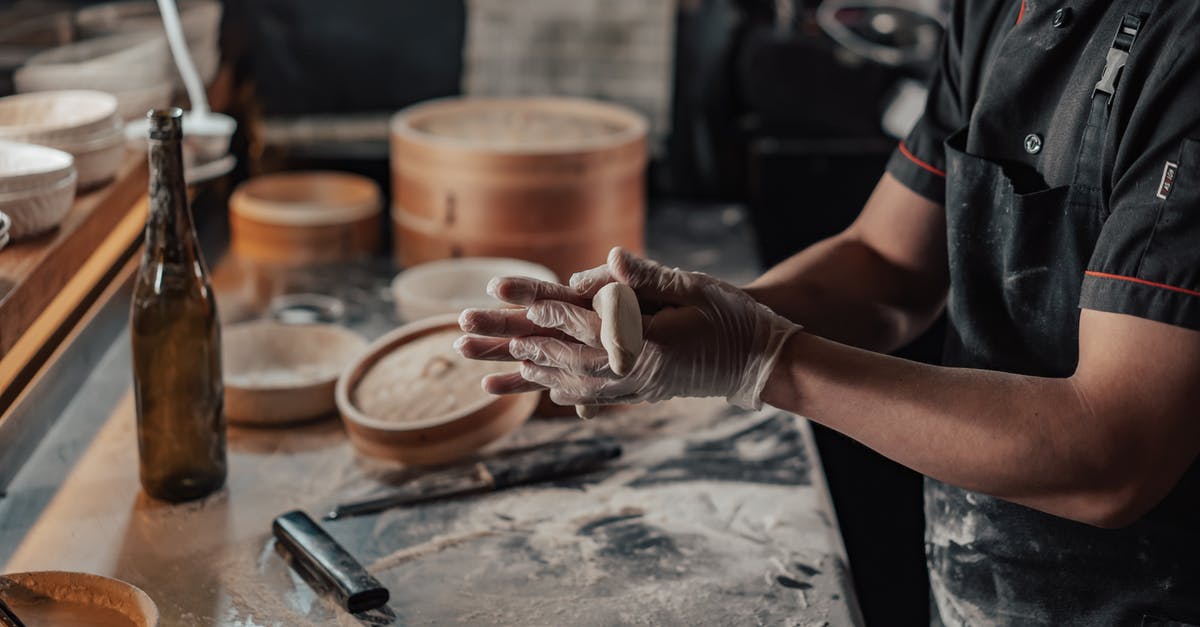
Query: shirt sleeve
[[1146, 262], [919, 161]]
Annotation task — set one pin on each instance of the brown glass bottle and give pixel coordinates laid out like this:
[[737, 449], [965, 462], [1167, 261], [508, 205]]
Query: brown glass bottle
[[176, 337]]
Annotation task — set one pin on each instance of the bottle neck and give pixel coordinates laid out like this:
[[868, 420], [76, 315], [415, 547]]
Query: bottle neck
[[170, 234]]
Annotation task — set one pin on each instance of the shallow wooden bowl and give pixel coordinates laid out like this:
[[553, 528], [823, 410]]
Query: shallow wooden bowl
[[44, 588], [278, 374], [436, 439]]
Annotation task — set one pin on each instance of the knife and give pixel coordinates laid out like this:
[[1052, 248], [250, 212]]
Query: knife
[[511, 468]]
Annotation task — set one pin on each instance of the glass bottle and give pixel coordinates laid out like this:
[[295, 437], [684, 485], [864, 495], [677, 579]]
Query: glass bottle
[[176, 337]]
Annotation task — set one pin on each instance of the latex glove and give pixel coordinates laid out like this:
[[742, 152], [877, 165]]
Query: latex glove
[[704, 337]]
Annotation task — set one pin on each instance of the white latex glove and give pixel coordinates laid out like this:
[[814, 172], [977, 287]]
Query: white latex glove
[[704, 337]]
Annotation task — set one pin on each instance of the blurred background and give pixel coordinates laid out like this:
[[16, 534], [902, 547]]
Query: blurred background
[[775, 116]]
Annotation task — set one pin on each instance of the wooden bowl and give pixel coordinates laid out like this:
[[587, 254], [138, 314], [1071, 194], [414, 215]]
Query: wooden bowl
[[33, 594], [279, 373], [299, 218], [440, 436], [452, 285]]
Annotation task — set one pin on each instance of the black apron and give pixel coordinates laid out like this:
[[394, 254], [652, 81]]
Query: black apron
[[1017, 259]]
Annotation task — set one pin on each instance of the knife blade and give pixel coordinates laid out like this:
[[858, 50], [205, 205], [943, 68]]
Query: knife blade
[[516, 467]]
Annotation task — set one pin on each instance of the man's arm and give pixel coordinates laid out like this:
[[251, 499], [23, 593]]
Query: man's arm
[[876, 285], [1101, 447]]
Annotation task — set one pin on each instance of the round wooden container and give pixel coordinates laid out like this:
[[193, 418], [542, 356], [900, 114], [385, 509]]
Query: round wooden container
[[436, 439], [555, 181], [305, 218], [279, 374], [46, 591]]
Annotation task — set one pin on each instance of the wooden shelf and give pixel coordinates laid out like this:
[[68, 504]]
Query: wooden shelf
[[48, 283], [34, 272]]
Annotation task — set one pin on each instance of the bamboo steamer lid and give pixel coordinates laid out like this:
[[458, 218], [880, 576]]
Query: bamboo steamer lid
[[386, 376], [556, 181]]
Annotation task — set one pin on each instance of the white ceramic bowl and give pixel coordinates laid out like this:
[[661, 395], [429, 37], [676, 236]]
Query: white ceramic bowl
[[111, 64], [35, 211], [278, 373], [451, 285], [5, 224], [57, 116], [98, 159], [201, 21], [27, 166], [38, 592]]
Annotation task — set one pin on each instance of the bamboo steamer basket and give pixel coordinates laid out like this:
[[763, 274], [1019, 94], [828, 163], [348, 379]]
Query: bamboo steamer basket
[[305, 218], [555, 181]]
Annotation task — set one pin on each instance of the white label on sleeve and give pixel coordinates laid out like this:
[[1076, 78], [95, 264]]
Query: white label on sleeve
[[1168, 179]]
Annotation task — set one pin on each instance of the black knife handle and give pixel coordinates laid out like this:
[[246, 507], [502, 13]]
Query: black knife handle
[[551, 461], [322, 557]]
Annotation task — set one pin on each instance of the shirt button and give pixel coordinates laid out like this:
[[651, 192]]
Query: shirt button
[[1033, 143], [1062, 17]]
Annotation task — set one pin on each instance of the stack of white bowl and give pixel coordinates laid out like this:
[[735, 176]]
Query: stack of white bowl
[[126, 54], [134, 67], [82, 123], [5, 223], [201, 21], [37, 187]]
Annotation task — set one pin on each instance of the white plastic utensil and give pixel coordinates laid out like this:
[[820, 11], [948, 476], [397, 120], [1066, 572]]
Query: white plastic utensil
[[207, 133]]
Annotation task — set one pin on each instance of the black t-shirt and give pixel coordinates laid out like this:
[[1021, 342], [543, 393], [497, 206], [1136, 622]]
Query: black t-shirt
[[1147, 261]]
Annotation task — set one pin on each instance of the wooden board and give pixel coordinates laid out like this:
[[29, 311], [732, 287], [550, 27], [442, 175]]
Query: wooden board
[[33, 272]]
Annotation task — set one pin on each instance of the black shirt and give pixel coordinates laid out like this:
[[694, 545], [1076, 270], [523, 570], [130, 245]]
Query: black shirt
[[1014, 88], [1007, 72]]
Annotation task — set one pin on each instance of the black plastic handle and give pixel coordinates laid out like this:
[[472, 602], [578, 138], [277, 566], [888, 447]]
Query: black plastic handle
[[324, 559]]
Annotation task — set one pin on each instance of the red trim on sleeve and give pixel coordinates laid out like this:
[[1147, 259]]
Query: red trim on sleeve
[[911, 157], [1118, 277], [1021, 13]]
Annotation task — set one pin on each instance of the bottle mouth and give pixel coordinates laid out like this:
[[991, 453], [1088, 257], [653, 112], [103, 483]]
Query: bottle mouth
[[166, 123]]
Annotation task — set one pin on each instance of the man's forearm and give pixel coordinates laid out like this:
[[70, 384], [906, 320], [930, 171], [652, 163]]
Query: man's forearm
[[842, 290], [1011, 436], [876, 285]]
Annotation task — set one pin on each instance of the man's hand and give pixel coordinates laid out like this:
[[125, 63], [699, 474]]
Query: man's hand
[[703, 337]]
